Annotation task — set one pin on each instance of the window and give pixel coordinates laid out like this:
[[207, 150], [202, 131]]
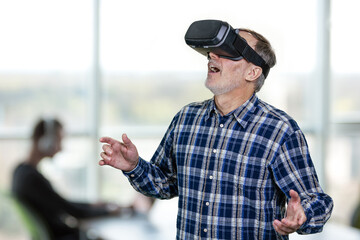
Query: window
[[50, 58], [342, 166], [149, 73], [45, 70]]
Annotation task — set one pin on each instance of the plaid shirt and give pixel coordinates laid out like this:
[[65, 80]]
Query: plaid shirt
[[233, 173]]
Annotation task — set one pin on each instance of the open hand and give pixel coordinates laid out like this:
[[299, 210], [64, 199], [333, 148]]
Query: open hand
[[120, 155], [295, 216]]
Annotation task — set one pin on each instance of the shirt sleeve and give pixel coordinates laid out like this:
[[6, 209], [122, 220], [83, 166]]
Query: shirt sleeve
[[157, 178], [294, 169]]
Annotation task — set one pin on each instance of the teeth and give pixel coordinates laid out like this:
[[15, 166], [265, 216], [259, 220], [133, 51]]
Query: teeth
[[214, 69]]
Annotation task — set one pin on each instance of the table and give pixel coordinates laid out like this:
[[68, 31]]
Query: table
[[136, 227], [141, 228], [331, 231], [160, 224]]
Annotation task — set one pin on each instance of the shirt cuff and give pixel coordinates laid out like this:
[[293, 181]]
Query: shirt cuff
[[305, 228], [137, 171]]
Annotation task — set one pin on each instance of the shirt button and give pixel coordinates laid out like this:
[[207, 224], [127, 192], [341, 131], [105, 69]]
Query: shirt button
[[207, 203], [214, 151], [221, 125], [211, 177], [205, 230], [132, 175]]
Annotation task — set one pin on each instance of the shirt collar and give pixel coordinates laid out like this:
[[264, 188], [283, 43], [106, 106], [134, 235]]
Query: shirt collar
[[242, 114]]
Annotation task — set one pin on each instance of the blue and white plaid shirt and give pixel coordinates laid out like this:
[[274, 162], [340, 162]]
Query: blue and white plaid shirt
[[233, 173]]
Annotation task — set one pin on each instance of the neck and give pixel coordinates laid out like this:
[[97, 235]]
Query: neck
[[34, 157], [228, 102]]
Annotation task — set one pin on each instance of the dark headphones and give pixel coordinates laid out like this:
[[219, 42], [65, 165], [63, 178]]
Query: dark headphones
[[47, 142]]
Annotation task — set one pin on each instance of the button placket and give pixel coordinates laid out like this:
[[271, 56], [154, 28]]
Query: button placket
[[207, 201]]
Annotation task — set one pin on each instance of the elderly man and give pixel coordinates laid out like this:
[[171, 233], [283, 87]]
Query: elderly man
[[234, 161]]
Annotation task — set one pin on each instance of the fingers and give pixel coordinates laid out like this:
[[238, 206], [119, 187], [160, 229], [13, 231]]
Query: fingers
[[294, 196], [125, 139], [295, 216], [288, 225], [279, 228], [107, 150], [121, 155], [282, 228], [302, 220], [113, 150], [105, 157], [285, 227], [294, 208], [127, 142], [108, 140], [111, 147]]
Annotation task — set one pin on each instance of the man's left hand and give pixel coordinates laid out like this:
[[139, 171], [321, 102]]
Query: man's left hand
[[295, 216]]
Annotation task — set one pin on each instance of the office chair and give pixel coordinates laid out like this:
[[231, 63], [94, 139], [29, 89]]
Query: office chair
[[33, 223]]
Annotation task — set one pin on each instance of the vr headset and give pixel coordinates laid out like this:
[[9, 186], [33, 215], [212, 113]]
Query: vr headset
[[219, 37]]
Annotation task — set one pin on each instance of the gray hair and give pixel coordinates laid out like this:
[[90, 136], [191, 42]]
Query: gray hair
[[264, 49]]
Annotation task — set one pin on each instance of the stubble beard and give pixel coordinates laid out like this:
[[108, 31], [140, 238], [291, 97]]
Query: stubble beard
[[223, 87]]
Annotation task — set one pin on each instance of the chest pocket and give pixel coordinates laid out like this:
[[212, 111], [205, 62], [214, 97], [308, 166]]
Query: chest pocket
[[242, 177]]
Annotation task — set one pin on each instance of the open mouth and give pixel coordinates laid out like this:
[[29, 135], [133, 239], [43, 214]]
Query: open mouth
[[213, 68]]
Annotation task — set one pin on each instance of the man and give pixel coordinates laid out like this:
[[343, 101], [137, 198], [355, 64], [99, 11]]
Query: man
[[32, 189], [234, 161]]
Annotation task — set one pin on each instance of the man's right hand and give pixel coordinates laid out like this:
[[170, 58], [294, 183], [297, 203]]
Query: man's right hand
[[120, 155]]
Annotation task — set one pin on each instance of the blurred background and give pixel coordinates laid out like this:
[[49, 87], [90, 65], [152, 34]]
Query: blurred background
[[105, 67]]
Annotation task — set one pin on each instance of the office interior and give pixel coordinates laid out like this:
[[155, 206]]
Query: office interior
[[108, 67]]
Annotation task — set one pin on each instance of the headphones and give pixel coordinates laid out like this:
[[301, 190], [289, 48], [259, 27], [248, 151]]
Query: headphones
[[47, 142]]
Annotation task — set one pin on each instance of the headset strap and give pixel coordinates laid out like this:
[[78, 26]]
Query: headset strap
[[251, 55]]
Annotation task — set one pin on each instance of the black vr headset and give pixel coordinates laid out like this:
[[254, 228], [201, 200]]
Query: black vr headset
[[219, 37]]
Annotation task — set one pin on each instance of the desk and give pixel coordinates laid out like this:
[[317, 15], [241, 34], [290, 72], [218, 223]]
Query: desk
[[136, 227], [160, 224], [331, 231], [141, 228]]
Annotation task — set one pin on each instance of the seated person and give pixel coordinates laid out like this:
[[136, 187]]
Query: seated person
[[35, 191], [355, 220]]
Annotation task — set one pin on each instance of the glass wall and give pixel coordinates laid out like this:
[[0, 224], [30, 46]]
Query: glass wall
[[109, 67], [149, 73], [342, 167], [45, 71]]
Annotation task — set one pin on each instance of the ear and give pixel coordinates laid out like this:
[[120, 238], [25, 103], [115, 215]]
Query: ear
[[253, 73]]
